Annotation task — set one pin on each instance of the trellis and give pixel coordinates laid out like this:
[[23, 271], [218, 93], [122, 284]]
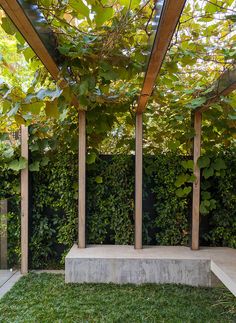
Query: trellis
[[170, 15]]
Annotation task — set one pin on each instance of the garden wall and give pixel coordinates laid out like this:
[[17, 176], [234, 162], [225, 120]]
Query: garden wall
[[110, 203]]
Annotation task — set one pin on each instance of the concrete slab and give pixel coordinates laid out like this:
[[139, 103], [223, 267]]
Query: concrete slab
[[9, 283], [226, 273], [153, 264], [124, 264]]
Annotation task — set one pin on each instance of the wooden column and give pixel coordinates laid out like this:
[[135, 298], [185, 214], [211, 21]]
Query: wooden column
[[196, 184], [82, 179], [24, 201], [138, 180], [3, 234]]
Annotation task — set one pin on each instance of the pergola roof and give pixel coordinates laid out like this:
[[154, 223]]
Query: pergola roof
[[33, 26]]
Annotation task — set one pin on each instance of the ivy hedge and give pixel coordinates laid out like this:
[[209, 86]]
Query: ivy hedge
[[110, 204]]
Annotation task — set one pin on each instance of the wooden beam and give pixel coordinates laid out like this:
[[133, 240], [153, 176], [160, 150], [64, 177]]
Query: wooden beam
[[3, 234], [170, 16], [225, 84], [17, 15], [24, 201], [82, 179], [196, 184], [138, 180]]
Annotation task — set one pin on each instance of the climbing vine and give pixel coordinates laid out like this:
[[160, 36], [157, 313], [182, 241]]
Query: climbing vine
[[103, 47]]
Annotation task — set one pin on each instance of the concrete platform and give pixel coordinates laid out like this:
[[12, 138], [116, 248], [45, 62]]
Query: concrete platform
[[152, 264]]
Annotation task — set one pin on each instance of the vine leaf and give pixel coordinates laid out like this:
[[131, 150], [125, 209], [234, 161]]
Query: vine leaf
[[219, 164], [80, 8], [34, 167], [51, 109], [98, 179], [203, 161], [45, 161], [195, 103], [187, 164], [181, 192], [35, 107], [91, 158], [102, 15], [181, 179], [8, 26], [18, 164], [208, 172]]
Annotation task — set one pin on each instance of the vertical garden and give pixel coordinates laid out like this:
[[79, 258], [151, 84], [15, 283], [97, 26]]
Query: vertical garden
[[103, 49]]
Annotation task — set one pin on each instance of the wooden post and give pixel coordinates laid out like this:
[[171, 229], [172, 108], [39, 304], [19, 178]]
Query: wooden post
[[196, 184], [82, 179], [3, 234], [24, 201], [138, 180]]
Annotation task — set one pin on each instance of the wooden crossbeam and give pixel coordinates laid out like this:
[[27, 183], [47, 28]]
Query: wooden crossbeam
[[17, 15], [170, 15], [225, 84]]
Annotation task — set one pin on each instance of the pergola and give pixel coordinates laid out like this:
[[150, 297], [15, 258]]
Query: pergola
[[25, 18]]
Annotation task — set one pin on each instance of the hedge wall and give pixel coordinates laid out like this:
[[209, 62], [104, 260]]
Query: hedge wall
[[110, 204]]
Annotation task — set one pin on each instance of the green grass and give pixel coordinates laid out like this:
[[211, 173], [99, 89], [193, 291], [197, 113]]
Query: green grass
[[46, 298]]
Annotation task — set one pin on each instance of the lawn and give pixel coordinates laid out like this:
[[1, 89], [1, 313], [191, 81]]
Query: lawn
[[46, 298]]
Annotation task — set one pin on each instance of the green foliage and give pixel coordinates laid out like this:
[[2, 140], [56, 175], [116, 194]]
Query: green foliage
[[222, 216], [105, 48], [13, 228], [10, 190], [171, 206], [17, 164], [111, 203], [110, 199], [9, 183]]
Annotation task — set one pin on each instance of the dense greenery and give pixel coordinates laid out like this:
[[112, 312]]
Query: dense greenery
[[110, 203], [104, 48], [46, 298]]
